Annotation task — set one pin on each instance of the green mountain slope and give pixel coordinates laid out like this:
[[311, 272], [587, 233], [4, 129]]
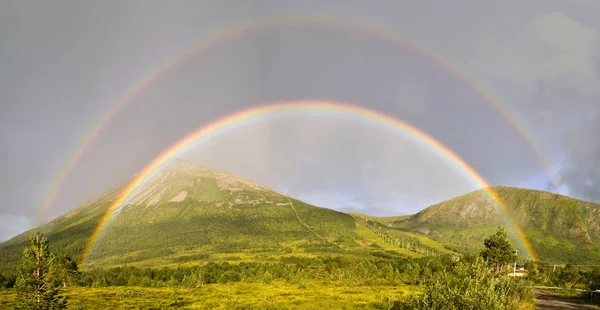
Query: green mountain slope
[[560, 229], [185, 213]]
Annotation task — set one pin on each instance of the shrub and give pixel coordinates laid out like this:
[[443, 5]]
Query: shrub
[[471, 285]]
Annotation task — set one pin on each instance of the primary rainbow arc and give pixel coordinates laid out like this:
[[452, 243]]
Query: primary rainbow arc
[[231, 120]]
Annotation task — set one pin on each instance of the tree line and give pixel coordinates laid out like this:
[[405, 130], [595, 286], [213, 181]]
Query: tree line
[[401, 240], [568, 276]]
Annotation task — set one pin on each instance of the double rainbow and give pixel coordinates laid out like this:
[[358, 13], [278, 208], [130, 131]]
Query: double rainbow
[[230, 32]]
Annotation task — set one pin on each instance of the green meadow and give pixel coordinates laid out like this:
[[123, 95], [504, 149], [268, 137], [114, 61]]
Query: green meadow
[[276, 295]]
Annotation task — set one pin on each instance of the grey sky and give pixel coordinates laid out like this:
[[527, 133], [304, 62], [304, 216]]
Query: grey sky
[[63, 63]]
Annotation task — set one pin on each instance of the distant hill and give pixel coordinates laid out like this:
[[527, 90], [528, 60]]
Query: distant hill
[[187, 213], [561, 229]]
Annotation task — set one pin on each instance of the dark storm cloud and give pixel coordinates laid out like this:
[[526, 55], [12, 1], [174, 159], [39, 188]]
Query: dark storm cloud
[[582, 169], [553, 63]]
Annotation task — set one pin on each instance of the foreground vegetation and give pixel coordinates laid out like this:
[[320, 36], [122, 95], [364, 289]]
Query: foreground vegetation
[[455, 287], [276, 295], [382, 281], [470, 285], [568, 277], [574, 282]]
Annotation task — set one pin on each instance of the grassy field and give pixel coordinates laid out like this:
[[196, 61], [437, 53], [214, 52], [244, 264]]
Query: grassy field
[[276, 295]]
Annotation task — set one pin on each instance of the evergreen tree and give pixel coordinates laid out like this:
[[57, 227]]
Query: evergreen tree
[[35, 288], [498, 252], [65, 270]]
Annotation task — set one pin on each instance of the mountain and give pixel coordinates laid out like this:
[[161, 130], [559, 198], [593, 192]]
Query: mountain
[[188, 213], [185, 213], [560, 229]]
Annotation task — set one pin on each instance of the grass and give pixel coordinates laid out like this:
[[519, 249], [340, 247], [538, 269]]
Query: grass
[[277, 295]]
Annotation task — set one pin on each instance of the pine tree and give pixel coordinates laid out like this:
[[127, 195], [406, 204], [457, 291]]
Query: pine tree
[[65, 270], [35, 288], [498, 252]]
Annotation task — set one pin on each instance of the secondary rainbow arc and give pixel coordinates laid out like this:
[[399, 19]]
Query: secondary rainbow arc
[[231, 120], [232, 31]]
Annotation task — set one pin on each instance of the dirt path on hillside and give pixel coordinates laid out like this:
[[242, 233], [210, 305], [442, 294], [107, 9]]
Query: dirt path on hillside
[[549, 301]]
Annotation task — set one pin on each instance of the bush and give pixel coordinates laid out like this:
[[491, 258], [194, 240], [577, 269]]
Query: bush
[[4, 283], [471, 285], [594, 279]]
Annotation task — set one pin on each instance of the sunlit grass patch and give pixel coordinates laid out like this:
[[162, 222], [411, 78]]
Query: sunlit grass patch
[[277, 295]]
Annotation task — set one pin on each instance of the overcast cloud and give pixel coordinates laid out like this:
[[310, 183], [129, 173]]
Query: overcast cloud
[[65, 62]]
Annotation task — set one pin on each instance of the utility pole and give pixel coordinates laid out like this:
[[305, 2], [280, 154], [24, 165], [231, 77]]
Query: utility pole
[[515, 268]]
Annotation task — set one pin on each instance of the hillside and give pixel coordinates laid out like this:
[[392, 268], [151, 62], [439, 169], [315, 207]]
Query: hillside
[[561, 229], [186, 213]]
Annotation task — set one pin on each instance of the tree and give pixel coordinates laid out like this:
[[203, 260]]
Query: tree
[[568, 277], [532, 273], [35, 288], [65, 270], [498, 252], [594, 279]]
